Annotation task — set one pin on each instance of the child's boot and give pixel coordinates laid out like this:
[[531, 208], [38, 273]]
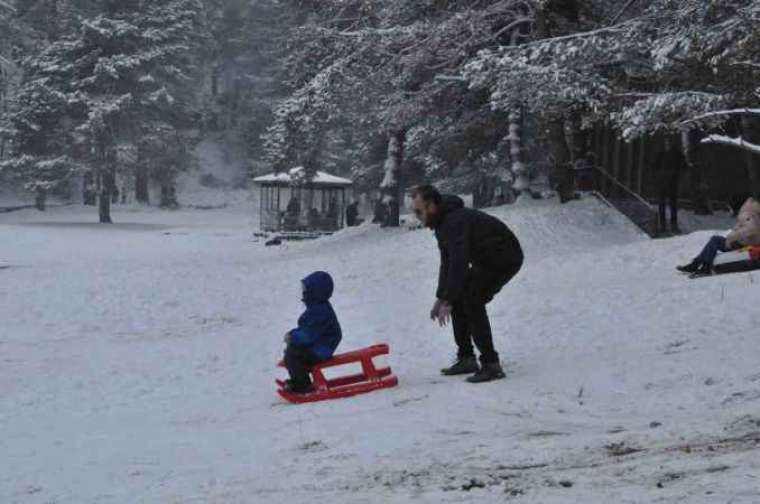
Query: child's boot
[[298, 387]]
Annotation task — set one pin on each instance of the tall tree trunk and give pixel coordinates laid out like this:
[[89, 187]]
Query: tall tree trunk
[[630, 164], [168, 190], [751, 133], [3, 106], [89, 193], [142, 194], [478, 192], [616, 161], [65, 16], [519, 168], [169, 196], [520, 171], [579, 140], [40, 199], [695, 161], [641, 166], [115, 192], [560, 178], [604, 161], [215, 81], [107, 181], [484, 194], [391, 185], [104, 204]]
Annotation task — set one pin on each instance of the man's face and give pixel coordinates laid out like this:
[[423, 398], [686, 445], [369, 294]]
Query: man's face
[[425, 211]]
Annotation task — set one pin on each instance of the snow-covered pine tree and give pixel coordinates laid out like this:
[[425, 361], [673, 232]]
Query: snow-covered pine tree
[[554, 75], [390, 63], [7, 12], [173, 35], [7, 69], [122, 79], [40, 125]]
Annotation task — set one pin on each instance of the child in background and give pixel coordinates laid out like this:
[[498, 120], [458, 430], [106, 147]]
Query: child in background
[[317, 335]]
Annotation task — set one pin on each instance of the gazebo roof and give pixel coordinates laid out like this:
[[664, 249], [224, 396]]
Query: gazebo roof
[[299, 174]]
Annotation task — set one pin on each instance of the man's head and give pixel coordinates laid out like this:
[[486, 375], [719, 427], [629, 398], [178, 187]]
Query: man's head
[[426, 202]]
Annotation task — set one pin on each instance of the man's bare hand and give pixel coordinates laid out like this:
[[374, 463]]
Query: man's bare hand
[[444, 314], [434, 310]]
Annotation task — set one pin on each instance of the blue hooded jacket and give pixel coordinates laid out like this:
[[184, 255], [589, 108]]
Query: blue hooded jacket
[[318, 328]]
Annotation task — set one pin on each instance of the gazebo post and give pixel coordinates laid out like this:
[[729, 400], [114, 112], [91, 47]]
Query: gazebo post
[[341, 221], [277, 212], [262, 219]]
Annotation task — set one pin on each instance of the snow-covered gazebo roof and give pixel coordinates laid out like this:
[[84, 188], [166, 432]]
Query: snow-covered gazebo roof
[[298, 174]]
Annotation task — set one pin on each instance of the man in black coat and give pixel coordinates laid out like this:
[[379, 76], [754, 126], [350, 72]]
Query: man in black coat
[[352, 212], [670, 165], [479, 255]]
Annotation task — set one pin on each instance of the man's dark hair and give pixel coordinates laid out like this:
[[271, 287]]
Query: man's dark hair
[[428, 193]]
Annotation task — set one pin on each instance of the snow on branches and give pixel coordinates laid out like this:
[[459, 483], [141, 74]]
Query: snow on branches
[[664, 112], [120, 77], [376, 65], [689, 51]]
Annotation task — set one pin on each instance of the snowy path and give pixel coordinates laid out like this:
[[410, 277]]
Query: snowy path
[[136, 366]]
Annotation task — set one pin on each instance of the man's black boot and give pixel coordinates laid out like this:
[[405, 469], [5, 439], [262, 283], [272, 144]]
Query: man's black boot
[[489, 372], [463, 365]]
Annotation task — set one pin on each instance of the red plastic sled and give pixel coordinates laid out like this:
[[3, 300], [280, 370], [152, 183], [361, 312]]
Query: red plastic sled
[[738, 261], [370, 379]]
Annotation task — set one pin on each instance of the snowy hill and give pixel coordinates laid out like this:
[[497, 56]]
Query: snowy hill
[[138, 361]]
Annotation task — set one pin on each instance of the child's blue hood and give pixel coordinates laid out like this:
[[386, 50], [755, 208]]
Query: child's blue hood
[[318, 287]]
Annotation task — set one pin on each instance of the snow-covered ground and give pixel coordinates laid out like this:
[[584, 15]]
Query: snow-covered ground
[[9, 199], [722, 220], [137, 366]]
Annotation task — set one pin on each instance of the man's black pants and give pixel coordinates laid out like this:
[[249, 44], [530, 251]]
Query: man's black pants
[[469, 316], [668, 197]]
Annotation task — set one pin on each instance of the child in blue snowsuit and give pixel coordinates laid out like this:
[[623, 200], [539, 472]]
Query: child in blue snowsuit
[[317, 335]]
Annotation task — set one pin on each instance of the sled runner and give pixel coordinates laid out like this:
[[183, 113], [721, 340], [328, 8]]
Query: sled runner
[[746, 259], [370, 379]]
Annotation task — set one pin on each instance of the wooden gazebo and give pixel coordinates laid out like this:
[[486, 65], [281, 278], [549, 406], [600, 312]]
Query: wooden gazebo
[[290, 201]]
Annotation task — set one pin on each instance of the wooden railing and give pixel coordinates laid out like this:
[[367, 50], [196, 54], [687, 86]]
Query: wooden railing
[[627, 202]]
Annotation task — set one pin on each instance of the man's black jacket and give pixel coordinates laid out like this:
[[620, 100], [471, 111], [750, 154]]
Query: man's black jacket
[[471, 238], [670, 164]]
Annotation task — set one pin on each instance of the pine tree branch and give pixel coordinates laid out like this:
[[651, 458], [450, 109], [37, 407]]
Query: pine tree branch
[[627, 6], [453, 78], [733, 142], [6, 63], [746, 63], [720, 113], [551, 40]]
